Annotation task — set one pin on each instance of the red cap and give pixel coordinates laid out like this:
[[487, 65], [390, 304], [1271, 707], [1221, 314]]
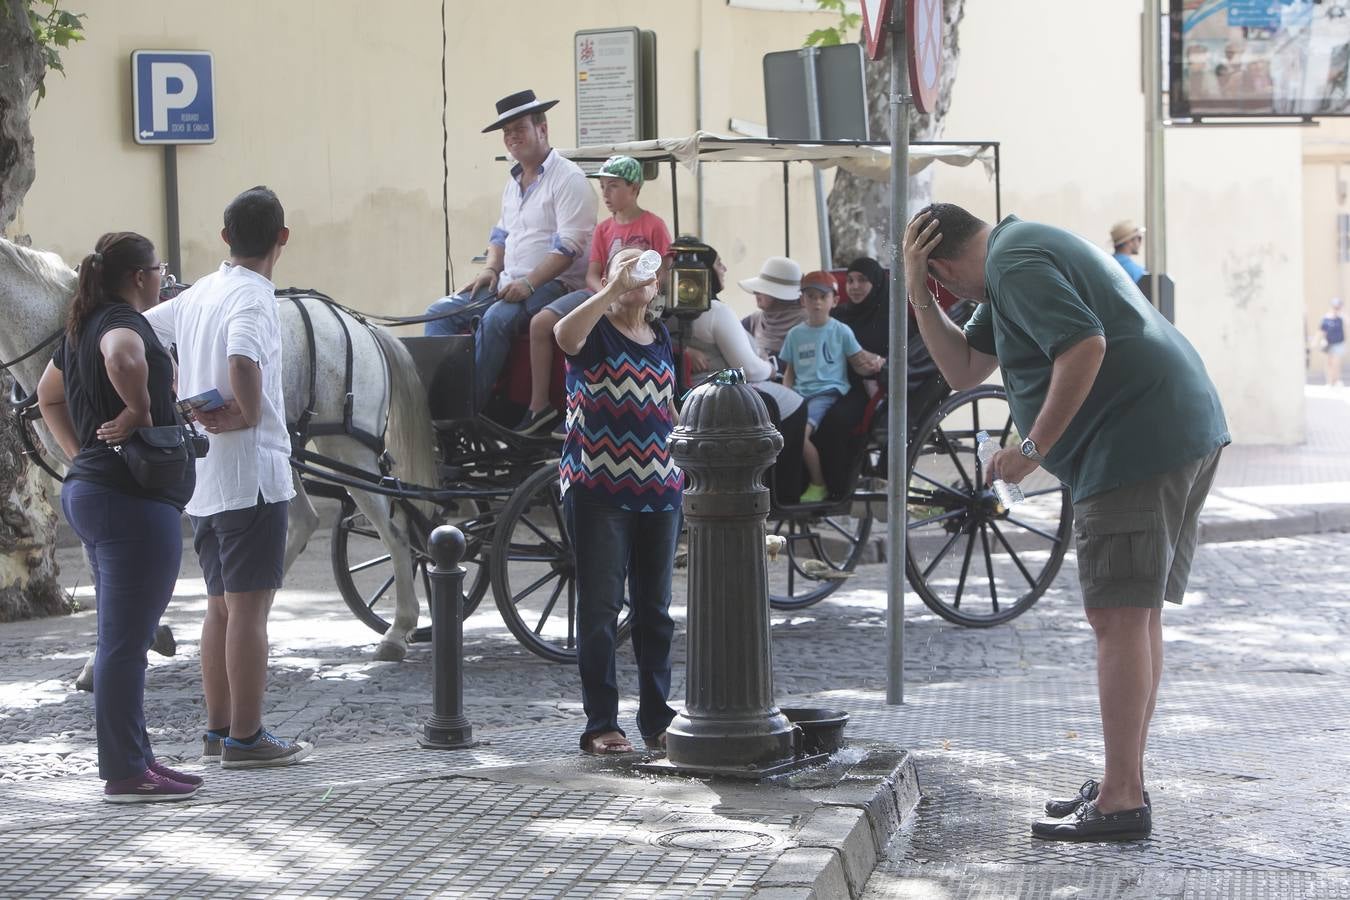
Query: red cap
[[821, 281]]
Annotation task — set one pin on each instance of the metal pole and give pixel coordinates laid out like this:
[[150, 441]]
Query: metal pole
[[171, 210], [675, 200], [897, 418], [698, 126], [808, 55], [787, 216], [1155, 178], [447, 728]]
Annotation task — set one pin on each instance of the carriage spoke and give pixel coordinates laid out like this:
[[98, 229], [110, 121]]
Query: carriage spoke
[[370, 563], [530, 557], [849, 536], [375, 598], [956, 461], [941, 487], [941, 554], [548, 607], [1034, 530], [1016, 561], [989, 567], [965, 570], [538, 583], [942, 517], [525, 520]]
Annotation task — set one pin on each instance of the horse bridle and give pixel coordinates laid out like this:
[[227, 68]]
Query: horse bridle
[[25, 408]]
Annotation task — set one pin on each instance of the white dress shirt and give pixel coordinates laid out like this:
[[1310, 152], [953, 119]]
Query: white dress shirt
[[231, 312], [556, 214]]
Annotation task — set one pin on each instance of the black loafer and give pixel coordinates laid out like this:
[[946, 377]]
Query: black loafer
[[1058, 809], [1088, 824]]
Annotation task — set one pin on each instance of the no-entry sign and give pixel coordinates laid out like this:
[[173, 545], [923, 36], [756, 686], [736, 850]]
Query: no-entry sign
[[923, 30]]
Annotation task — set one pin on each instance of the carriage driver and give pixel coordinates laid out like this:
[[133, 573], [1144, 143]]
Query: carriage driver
[[538, 249]]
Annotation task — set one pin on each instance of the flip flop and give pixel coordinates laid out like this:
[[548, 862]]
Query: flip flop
[[602, 745]]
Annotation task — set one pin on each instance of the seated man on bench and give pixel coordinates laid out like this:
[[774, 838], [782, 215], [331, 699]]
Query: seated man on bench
[[536, 253]]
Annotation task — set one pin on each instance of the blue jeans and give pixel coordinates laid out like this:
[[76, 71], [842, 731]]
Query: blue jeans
[[612, 546], [498, 324], [134, 547]]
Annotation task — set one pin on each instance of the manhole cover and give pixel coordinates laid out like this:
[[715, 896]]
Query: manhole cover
[[717, 840]]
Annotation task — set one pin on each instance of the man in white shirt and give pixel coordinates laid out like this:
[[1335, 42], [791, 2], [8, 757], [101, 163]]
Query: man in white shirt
[[229, 339], [537, 251]]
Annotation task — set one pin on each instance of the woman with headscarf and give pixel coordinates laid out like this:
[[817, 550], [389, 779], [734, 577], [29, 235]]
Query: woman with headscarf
[[866, 311]]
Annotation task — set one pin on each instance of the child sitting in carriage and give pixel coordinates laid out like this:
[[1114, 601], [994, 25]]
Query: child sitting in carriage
[[816, 353]]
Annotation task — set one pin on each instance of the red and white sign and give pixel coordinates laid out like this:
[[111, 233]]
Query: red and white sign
[[923, 28], [876, 19]]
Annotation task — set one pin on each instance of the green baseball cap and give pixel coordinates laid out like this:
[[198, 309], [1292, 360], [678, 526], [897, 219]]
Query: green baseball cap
[[625, 167]]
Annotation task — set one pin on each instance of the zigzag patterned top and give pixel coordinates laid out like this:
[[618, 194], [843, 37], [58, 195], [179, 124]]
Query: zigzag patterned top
[[619, 400]]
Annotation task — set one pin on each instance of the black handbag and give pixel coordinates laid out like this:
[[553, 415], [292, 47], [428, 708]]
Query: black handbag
[[159, 457]]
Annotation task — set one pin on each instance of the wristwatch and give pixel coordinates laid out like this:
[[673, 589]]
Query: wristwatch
[[1030, 452]]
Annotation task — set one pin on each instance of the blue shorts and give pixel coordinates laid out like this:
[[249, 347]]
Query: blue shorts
[[242, 550], [817, 406], [568, 302]]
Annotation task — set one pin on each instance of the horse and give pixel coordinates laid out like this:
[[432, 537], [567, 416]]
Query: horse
[[388, 405]]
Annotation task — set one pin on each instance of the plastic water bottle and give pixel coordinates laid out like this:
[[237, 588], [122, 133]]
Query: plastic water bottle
[[1007, 494], [646, 266]]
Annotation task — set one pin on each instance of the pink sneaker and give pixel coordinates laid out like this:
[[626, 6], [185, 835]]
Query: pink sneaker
[[160, 769], [147, 787]]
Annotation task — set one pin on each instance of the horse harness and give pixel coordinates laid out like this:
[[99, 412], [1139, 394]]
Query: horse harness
[[305, 428], [25, 408]]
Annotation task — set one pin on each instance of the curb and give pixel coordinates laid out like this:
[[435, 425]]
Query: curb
[[1220, 531], [840, 843]]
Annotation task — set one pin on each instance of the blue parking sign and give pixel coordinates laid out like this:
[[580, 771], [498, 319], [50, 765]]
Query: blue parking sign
[[173, 97]]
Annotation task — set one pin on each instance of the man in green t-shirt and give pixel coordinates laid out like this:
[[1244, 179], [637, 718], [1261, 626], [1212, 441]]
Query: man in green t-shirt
[[1114, 402]]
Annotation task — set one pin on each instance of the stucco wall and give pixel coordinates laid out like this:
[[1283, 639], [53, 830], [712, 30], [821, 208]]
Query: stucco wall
[[337, 106]]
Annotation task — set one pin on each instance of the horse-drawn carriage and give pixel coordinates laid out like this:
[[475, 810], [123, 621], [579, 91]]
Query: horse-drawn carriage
[[366, 412], [972, 561]]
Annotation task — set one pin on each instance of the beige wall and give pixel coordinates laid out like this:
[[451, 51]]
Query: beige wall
[[1070, 116], [1326, 195], [337, 106]]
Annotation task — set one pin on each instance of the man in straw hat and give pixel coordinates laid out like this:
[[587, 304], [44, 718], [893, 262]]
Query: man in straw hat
[[1126, 238], [1111, 399], [537, 251]]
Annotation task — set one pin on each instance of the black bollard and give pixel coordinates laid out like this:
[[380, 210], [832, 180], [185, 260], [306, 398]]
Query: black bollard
[[730, 724], [447, 728]]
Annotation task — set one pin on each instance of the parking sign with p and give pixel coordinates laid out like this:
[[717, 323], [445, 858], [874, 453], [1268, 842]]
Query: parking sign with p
[[173, 97]]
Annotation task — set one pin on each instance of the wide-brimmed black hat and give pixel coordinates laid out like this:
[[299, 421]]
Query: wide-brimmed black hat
[[517, 105]]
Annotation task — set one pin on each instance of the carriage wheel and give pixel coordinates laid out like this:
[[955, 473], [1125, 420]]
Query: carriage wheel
[[533, 571], [818, 547], [365, 573], [972, 561]]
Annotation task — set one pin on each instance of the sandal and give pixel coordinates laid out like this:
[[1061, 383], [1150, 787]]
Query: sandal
[[656, 743], [607, 744]]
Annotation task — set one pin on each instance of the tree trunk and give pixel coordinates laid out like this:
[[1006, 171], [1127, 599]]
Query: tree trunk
[[28, 573], [860, 209]]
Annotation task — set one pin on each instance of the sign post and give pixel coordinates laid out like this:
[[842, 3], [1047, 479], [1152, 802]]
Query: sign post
[[173, 102], [919, 54]]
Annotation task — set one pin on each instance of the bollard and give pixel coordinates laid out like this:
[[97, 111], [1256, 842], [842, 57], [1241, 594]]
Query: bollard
[[447, 728], [730, 724]]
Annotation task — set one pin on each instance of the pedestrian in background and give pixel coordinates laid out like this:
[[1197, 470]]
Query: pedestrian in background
[[1333, 341], [1127, 238], [1111, 399], [621, 497], [108, 377], [229, 339]]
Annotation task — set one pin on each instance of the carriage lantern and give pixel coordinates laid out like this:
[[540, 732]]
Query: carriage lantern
[[689, 292]]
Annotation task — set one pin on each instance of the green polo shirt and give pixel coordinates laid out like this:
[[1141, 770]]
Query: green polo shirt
[[1152, 407]]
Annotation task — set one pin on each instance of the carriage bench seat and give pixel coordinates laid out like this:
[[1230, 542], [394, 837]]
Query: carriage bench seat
[[445, 363]]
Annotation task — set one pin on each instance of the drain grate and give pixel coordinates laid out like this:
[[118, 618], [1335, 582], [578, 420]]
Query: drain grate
[[717, 840]]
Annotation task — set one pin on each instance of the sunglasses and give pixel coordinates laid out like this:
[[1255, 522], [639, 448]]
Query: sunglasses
[[163, 269]]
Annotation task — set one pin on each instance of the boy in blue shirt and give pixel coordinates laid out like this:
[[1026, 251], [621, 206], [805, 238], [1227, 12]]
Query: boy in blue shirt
[[815, 352]]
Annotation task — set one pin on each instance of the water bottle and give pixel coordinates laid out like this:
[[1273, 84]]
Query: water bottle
[[646, 266], [1007, 494]]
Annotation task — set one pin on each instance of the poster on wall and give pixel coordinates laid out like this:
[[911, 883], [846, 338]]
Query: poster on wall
[[608, 87], [1259, 58]]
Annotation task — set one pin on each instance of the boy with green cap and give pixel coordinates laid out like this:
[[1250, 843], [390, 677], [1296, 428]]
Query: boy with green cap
[[629, 226]]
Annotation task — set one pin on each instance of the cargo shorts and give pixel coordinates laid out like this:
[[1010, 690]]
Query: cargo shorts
[[1136, 542]]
